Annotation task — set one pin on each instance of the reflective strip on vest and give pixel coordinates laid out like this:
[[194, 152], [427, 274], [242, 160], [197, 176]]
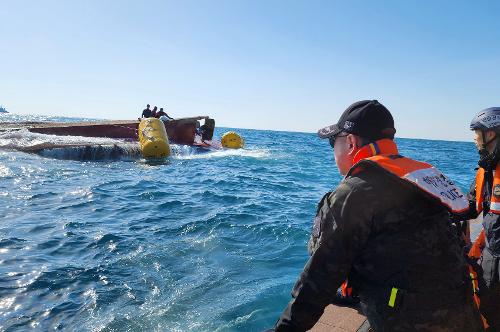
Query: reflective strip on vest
[[495, 207], [438, 185], [392, 298]]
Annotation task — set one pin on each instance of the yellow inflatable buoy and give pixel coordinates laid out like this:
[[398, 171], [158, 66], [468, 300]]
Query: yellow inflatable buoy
[[153, 138], [232, 140]]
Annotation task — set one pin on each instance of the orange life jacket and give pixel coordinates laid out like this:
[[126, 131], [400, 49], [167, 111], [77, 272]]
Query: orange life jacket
[[422, 175], [384, 153], [494, 200], [476, 250], [428, 179]]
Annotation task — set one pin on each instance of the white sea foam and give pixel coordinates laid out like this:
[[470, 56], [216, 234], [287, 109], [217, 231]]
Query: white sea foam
[[19, 139], [102, 148], [91, 294], [248, 153], [239, 321], [82, 193], [5, 171], [68, 147]]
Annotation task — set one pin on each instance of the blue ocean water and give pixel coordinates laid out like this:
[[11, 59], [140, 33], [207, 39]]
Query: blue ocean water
[[205, 241]]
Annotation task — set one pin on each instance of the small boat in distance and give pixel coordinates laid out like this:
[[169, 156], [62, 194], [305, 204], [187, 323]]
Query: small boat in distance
[[3, 109]]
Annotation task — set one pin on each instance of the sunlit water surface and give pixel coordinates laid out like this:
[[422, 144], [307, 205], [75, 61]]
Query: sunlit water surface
[[203, 241]]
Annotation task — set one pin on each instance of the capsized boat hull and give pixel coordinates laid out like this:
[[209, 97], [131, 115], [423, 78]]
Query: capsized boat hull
[[179, 131]]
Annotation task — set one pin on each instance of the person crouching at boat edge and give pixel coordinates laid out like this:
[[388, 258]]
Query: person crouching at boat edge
[[388, 232]]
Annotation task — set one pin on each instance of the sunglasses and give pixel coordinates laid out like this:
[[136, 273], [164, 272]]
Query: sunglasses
[[332, 139]]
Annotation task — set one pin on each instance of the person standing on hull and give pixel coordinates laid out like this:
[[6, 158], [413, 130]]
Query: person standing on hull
[[386, 229], [485, 200], [146, 113]]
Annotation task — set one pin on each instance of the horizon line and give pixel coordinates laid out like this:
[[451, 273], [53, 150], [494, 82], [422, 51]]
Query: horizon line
[[246, 128]]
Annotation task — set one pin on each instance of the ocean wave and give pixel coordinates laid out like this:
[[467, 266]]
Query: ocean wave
[[208, 240]]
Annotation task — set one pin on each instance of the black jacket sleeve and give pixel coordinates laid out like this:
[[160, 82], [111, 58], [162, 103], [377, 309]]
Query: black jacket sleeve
[[345, 228], [471, 196]]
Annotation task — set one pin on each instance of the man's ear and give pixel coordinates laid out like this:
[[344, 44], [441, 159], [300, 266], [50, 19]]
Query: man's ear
[[490, 134], [352, 143]]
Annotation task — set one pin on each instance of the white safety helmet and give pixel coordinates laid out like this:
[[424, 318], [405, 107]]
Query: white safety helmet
[[488, 119]]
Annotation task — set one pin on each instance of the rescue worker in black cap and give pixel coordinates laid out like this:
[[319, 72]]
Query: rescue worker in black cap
[[386, 229], [485, 201]]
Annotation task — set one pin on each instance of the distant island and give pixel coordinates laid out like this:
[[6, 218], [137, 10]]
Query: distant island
[[3, 110]]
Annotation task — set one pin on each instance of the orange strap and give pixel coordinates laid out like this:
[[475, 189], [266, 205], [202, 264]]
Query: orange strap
[[478, 246], [475, 252], [346, 289], [475, 295], [479, 190]]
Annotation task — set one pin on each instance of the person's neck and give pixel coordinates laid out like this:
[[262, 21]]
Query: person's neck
[[382, 146]]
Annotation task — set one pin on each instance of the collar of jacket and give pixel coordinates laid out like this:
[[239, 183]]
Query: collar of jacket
[[383, 146]]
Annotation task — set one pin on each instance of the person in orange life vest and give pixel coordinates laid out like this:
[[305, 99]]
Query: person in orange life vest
[[485, 200], [386, 228]]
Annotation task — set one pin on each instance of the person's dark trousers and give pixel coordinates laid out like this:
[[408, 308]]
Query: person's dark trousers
[[490, 294]]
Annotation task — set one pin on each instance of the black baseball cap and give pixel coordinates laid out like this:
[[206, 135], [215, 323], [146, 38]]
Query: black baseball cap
[[367, 118]]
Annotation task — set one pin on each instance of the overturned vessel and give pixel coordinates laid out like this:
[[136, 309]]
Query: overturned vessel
[[179, 131], [103, 140]]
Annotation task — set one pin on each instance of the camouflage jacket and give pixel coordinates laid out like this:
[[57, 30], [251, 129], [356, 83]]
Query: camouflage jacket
[[382, 233]]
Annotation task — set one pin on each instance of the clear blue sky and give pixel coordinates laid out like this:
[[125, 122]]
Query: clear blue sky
[[284, 65]]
